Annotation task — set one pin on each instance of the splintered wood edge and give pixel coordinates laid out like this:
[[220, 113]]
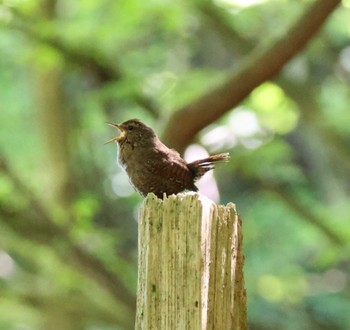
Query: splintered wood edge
[[152, 214]]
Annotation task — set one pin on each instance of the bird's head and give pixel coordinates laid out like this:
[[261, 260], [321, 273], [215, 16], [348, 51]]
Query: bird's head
[[133, 131]]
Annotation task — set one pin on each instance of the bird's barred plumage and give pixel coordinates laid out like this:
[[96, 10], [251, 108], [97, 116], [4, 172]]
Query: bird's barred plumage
[[152, 166]]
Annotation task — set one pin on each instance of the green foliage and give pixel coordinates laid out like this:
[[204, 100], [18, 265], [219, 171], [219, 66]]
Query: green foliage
[[274, 108], [334, 96], [68, 235]]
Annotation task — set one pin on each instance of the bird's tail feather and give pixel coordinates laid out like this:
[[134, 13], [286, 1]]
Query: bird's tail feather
[[202, 166]]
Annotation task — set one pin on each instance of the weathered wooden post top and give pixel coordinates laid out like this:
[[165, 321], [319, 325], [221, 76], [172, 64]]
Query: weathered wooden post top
[[190, 265]]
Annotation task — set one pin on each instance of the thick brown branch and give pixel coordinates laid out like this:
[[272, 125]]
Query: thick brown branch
[[262, 65]]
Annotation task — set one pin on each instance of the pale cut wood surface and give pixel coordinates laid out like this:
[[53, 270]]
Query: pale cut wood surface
[[190, 265]]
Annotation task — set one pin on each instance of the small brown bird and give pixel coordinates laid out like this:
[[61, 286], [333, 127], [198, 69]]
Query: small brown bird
[[152, 166]]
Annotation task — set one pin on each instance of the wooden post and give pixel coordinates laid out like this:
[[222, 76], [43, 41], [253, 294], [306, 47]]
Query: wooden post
[[190, 265]]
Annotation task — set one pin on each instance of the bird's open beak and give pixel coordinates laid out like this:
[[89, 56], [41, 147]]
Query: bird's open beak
[[120, 136]]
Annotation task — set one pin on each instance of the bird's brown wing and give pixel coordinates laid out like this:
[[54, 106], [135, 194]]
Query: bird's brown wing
[[174, 177]]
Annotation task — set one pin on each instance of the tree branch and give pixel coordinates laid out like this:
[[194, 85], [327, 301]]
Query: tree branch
[[260, 66]]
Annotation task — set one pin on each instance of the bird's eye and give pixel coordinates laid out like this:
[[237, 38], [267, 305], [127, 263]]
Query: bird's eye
[[130, 128]]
